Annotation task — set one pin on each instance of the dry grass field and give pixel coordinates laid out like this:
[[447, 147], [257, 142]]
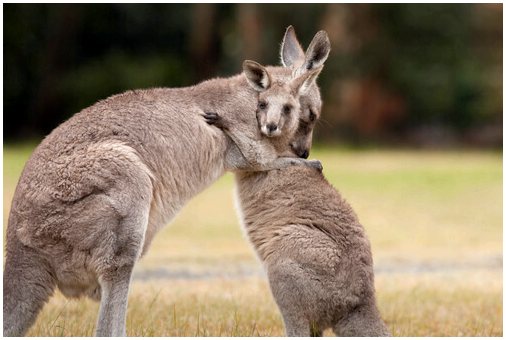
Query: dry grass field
[[434, 219]]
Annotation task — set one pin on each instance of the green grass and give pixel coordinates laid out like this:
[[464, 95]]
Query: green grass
[[434, 219]]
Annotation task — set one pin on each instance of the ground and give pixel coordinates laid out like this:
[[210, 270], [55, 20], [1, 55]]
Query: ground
[[434, 219]]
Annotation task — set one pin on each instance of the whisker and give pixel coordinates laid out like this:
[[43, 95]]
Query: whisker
[[322, 121]]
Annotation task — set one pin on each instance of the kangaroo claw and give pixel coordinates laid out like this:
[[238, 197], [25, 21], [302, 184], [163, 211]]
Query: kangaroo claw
[[212, 118], [316, 164]]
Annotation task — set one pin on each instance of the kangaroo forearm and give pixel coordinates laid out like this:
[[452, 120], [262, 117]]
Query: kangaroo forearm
[[241, 164], [253, 153], [284, 162], [250, 155]]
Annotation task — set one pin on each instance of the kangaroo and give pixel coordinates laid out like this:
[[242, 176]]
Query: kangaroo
[[97, 189], [277, 111], [315, 251]]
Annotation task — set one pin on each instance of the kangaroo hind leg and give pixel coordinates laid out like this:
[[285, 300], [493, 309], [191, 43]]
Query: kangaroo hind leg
[[122, 245], [114, 302], [116, 266], [287, 286], [364, 320], [114, 276], [28, 284]]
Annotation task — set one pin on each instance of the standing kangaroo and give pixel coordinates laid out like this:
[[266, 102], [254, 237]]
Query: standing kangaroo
[[315, 252], [96, 190]]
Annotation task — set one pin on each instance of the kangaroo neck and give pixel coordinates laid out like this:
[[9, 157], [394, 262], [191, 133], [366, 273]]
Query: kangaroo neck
[[226, 95]]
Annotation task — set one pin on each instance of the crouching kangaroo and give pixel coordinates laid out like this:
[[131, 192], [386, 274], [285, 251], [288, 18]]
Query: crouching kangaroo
[[315, 252], [97, 189]]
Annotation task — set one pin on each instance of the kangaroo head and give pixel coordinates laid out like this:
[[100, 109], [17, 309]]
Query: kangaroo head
[[293, 56], [278, 101]]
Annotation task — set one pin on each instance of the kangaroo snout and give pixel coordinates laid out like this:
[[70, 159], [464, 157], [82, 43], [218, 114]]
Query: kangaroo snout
[[300, 152], [271, 130], [303, 154], [271, 127]]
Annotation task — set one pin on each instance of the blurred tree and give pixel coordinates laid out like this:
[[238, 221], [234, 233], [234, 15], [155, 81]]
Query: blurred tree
[[54, 57], [395, 70], [410, 66], [203, 40], [249, 24], [362, 97]]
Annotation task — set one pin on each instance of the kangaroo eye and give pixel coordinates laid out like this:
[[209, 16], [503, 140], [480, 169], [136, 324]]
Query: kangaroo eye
[[262, 105], [287, 109], [312, 115]]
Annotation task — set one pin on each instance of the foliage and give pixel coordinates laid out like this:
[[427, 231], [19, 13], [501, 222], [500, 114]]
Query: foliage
[[393, 67]]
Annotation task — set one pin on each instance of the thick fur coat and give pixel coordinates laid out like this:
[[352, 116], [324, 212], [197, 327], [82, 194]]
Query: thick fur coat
[[314, 249]]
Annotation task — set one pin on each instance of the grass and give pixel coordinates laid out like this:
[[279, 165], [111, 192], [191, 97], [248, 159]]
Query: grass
[[412, 305], [434, 219]]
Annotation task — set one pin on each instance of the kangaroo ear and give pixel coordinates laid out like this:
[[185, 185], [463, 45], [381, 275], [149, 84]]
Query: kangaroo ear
[[303, 82], [291, 50], [256, 75], [317, 52]]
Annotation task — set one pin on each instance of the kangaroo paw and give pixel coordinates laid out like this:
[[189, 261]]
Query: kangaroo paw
[[212, 118], [315, 164]]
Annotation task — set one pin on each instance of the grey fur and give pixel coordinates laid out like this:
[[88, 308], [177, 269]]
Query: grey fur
[[97, 189], [290, 51], [299, 62], [315, 251], [254, 152]]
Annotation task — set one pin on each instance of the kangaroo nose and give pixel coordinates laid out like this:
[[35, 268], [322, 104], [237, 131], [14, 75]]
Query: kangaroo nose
[[303, 154], [272, 127]]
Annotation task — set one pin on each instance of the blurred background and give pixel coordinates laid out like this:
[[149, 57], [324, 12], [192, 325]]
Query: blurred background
[[423, 74], [410, 134]]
